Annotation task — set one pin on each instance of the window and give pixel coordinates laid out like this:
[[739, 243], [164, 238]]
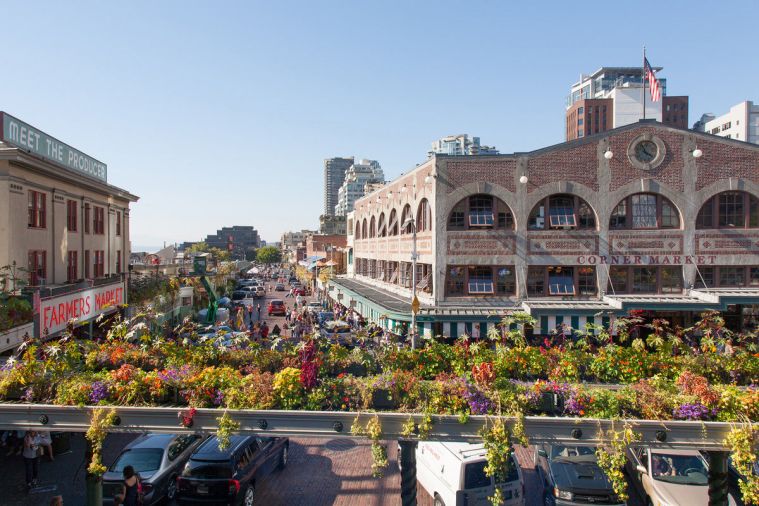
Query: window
[[505, 281], [37, 209], [563, 211], [732, 276], [71, 215], [671, 279], [707, 277], [617, 279], [382, 229], [455, 280], [392, 225], [372, 228], [753, 276], [586, 280], [561, 280], [364, 233], [99, 265], [98, 224], [87, 264], [535, 281], [118, 261], [424, 216], [72, 264], [480, 212], [358, 231], [37, 267], [480, 280], [580, 110], [86, 218], [405, 223], [644, 279], [644, 210], [118, 222], [732, 209], [726, 126]]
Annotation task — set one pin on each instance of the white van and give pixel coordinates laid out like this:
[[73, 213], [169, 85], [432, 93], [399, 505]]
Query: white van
[[454, 475]]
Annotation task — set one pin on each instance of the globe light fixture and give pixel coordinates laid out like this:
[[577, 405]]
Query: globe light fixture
[[523, 179], [608, 154], [697, 153]]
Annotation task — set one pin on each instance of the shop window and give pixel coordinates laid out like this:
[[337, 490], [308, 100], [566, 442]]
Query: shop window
[[671, 279], [480, 280], [561, 280], [455, 281], [644, 280], [586, 280], [617, 279], [505, 281], [536, 281], [732, 276]]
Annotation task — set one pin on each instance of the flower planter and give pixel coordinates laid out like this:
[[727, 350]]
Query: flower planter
[[551, 403], [383, 399]]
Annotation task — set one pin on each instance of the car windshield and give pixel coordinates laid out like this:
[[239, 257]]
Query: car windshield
[[141, 459], [682, 469], [584, 453], [239, 295]]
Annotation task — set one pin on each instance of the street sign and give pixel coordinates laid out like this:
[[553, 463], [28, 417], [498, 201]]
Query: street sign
[[415, 305]]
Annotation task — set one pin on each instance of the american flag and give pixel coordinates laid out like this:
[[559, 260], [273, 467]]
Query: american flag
[[653, 83]]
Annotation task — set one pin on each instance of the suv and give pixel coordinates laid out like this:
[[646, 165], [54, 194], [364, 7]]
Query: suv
[[260, 292], [230, 476], [571, 476], [276, 307]]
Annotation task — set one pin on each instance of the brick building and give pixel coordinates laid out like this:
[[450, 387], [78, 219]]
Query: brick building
[[644, 217], [329, 247]]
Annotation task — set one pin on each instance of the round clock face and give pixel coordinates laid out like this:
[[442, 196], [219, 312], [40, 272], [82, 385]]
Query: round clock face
[[646, 151]]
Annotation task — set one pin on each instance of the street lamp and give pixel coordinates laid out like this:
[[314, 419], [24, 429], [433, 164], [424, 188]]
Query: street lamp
[[414, 302]]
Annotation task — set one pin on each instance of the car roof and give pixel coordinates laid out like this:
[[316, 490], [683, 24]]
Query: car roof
[[209, 450], [667, 451], [152, 441], [277, 301], [465, 451]]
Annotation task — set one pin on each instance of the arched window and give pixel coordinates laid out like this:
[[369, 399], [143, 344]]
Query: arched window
[[644, 210], [424, 216], [381, 228], [733, 209], [405, 215], [479, 212], [364, 233], [358, 230], [373, 227], [561, 211], [392, 224]]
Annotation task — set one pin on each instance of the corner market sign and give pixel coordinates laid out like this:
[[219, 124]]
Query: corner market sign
[[52, 314], [21, 135]]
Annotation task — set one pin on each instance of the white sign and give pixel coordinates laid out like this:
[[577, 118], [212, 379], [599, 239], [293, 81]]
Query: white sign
[[81, 306]]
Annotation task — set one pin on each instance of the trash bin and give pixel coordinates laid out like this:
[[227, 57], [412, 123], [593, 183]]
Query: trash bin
[[61, 442]]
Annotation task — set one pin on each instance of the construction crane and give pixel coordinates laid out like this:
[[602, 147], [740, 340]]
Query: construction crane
[[199, 265]]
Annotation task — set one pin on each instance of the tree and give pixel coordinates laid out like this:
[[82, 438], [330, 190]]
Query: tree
[[269, 255], [203, 247], [198, 247]]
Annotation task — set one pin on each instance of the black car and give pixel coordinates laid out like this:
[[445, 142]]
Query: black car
[[157, 459], [571, 476], [230, 476]]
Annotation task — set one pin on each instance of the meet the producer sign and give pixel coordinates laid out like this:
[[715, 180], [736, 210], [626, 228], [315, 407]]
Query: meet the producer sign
[[80, 306]]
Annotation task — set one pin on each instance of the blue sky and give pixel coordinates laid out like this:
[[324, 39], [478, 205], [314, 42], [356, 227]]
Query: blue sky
[[221, 113]]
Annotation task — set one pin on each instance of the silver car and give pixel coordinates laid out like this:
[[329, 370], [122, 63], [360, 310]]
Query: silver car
[[158, 459], [669, 477]]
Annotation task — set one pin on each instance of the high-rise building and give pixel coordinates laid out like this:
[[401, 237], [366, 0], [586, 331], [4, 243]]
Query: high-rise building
[[331, 225], [354, 186], [462, 144], [612, 97], [741, 123], [334, 176], [238, 240]]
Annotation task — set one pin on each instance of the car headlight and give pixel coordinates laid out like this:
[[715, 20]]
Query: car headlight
[[563, 494]]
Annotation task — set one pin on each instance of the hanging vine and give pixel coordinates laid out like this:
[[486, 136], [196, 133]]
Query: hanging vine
[[99, 424], [497, 441], [611, 456], [743, 441], [373, 430]]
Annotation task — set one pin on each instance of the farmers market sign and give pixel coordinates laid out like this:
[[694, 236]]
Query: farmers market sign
[[17, 133], [52, 314]]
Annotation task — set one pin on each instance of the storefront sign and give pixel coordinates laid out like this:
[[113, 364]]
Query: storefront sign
[[17, 133], [52, 314], [646, 259]]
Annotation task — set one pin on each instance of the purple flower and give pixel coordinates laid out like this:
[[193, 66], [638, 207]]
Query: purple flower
[[218, 398], [694, 411], [99, 392], [479, 404], [28, 395]]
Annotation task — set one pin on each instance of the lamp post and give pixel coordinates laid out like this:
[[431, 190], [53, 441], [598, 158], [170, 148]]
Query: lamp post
[[414, 302]]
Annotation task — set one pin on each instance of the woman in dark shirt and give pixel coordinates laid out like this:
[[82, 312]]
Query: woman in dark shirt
[[129, 495]]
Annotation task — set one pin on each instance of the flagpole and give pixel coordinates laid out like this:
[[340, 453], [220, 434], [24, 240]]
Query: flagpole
[[643, 90]]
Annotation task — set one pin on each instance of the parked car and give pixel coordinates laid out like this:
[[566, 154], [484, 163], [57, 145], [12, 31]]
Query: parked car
[[571, 475], [230, 476], [324, 316], [454, 475], [292, 280], [260, 292], [337, 331], [313, 307], [276, 307], [158, 459], [279, 287], [671, 477], [299, 291], [238, 295]]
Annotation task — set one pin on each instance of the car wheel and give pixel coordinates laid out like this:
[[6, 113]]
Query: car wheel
[[171, 489], [250, 495], [438, 501], [283, 458]]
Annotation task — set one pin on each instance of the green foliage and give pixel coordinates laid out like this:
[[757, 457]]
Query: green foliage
[[100, 421], [743, 441], [611, 457], [269, 255], [227, 427]]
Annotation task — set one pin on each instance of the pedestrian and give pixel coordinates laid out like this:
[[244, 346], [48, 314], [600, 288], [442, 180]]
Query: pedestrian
[[259, 311], [46, 441], [250, 314], [129, 495], [287, 315], [31, 458], [264, 331]]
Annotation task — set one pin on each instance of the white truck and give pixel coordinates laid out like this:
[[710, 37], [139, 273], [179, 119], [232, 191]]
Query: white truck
[[454, 475]]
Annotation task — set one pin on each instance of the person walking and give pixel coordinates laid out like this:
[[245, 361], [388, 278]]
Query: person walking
[[259, 312], [250, 314], [129, 495], [264, 331], [31, 458]]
